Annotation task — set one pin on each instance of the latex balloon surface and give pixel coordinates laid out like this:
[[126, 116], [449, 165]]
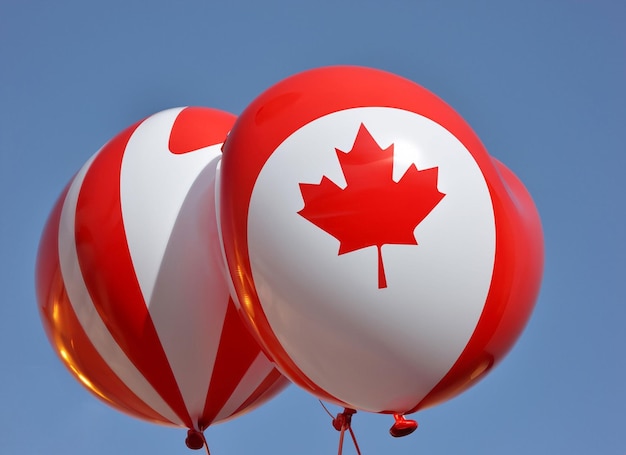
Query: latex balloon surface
[[130, 279], [379, 253]]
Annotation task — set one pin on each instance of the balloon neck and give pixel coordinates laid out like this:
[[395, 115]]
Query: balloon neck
[[343, 419], [402, 426]]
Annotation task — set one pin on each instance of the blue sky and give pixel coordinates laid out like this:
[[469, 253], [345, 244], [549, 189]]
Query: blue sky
[[541, 82]]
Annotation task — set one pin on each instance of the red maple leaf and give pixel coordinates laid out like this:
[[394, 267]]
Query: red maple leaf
[[372, 210]]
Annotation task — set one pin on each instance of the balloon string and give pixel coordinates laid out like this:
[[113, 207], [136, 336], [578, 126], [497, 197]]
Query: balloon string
[[206, 444], [356, 444], [341, 433], [326, 409], [342, 422]]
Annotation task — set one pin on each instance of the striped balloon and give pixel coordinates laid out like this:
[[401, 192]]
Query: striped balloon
[[130, 280]]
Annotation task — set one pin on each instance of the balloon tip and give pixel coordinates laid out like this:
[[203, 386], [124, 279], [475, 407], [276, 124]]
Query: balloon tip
[[195, 440], [402, 427], [343, 419]]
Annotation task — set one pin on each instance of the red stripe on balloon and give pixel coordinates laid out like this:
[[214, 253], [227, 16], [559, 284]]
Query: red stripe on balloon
[[236, 352], [510, 301], [67, 335], [199, 127], [272, 383], [109, 274]]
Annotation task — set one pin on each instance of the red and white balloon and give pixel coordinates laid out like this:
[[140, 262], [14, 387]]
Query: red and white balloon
[[379, 253], [131, 285]]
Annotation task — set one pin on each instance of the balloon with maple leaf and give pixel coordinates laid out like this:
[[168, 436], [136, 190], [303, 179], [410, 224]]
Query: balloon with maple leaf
[[376, 250]]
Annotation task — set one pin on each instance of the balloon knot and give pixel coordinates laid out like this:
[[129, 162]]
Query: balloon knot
[[195, 440], [343, 419]]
